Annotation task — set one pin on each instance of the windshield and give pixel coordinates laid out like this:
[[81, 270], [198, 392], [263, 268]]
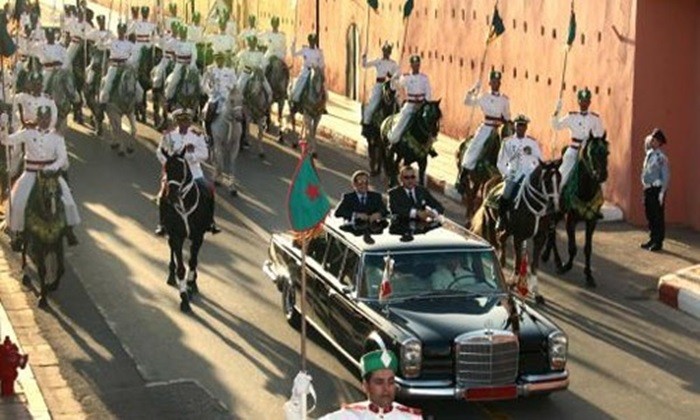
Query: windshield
[[430, 273]]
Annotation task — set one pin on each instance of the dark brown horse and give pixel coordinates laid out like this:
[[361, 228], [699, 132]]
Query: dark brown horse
[[372, 132], [581, 200], [531, 215]]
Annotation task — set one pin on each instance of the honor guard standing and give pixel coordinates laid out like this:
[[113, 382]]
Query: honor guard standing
[[275, 42], [26, 105], [120, 54], [218, 81], [313, 58], [52, 56], [249, 60], [223, 42], [246, 33], [520, 154], [167, 43], [655, 178], [44, 150], [192, 140], [142, 30], [378, 370], [581, 124], [417, 90], [185, 55], [77, 35], [101, 38], [496, 109], [386, 70]]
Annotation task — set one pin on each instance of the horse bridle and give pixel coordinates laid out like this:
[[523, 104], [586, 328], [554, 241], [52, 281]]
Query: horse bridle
[[184, 188], [587, 160], [538, 198]]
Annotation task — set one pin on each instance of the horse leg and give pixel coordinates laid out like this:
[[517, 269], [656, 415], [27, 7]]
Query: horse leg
[[43, 290], [571, 239], [176, 248], [588, 250], [261, 132], [231, 155], [172, 266], [423, 170], [533, 281], [132, 134], [196, 244]]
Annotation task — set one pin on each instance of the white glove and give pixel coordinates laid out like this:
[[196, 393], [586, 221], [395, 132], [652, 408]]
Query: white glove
[[557, 108], [661, 198]]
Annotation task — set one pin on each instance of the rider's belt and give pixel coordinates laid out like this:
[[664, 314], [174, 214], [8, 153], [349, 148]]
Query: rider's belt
[[30, 125], [575, 143], [183, 58], [493, 121], [76, 39], [415, 101], [416, 98], [52, 64], [381, 79], [36, 165], [117, 61], [143, 38]]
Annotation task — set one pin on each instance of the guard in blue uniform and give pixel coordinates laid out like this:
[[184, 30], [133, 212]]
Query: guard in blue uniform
[[655, 177]]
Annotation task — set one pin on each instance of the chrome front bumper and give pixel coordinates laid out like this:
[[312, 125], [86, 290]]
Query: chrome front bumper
[[527, 385], [269, 270]]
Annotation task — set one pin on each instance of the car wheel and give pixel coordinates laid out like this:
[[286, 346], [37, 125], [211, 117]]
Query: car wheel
[[288, 301]]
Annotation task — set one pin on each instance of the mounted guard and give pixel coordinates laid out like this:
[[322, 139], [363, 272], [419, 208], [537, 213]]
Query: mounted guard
[[416, 86], [121, 53], [313, 59], [27, 104], [185, 56], [45, 151], [52, 56], [218, 81], [223, 43], [195, 35], [100, 37], [167, 42], [192, 141], [386, 69], [520, 154], [249, 31]]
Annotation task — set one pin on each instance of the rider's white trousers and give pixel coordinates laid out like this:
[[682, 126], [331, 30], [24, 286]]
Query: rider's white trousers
[[174, 79], [158, 72], [243, 81], [567, 164], [471, 154], [299, 83], [20, 195], [407, 111], [374, 99], [107, 84]]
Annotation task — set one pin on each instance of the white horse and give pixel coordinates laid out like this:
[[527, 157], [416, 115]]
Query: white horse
[[122, 102], [226, 131]]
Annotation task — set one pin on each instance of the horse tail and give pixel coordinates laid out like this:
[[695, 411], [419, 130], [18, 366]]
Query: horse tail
[[479, 224]]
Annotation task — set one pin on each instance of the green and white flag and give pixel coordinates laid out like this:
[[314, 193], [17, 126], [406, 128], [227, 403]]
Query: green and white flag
[[307, 203]]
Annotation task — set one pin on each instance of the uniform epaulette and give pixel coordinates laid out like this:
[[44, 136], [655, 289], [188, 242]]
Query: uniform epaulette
[[574, 112], [593, 113], [406, 409], [354, 406]]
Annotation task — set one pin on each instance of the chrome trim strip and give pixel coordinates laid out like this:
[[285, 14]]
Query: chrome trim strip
[[270, 272], [546, 377]]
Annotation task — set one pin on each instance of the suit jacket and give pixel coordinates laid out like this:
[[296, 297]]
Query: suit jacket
[[350, 204], [401, 205]]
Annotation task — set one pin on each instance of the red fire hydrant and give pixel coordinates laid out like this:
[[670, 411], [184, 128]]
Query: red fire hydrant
[[10, 361]]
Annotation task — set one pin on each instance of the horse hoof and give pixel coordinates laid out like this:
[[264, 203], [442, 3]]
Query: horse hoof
[[192, 288], [171, 280], [185, 302], [233, 192], [114, 145], [590, 282], [539, 299], [52, 287], [129, 150], [280, 139]]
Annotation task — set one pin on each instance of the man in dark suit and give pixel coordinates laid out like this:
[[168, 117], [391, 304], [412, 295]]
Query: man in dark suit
[[412, 202], [361, 205]]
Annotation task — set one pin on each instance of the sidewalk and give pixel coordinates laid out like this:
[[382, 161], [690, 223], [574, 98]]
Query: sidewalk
[[681, 290]]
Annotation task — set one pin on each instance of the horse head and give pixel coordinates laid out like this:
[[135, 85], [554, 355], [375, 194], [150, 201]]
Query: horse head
[[595, 157], [177, 174], [233, 108], [430, 115], [190, 83], [47, 190], [548, 179]]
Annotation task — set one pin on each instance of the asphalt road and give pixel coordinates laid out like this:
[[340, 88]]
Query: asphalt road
[[128, 351]]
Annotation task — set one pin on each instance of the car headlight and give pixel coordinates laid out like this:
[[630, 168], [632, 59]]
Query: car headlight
[[558, 349], [411, 358]]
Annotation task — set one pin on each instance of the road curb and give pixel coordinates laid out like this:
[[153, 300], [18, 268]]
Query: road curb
[[681, 290]]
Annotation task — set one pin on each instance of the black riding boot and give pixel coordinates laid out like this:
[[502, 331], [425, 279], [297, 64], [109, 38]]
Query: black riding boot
[[213, 228], [160, 229], [70, 236], [209, 117], [78, 112], [503, 209]]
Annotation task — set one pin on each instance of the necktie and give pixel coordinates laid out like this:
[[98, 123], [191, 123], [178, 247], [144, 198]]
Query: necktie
[[363, 199], [412, 195]]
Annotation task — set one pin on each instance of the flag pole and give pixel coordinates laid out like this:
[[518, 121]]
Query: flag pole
[[7, 148], [304, 247], [553, 137]]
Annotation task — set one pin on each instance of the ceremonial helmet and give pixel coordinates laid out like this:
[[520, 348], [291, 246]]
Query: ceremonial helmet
[[175, 28], [223, 20], [252, 40], [182, 31], [584, 94], [35, 77], [378, 360], [101, 19], [43, 111], [251, 20], [521, 119], [196, 18], [415, 58], [658, 135], [121, 28], [312, 38], [172, 8], [275, 21], [495, 75], [89, 14], [134, 10], [387, 46], [145, 10]]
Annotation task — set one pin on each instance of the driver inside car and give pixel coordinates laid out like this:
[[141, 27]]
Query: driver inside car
[[449, 273]]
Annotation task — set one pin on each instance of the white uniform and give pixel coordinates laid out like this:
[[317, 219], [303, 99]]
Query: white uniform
[[52, 56], [174, 142], [67, 22], [276, 43], [222, 43], [120, 53], [417, 88], [313, 58], [167, 43], [185, 55], [42, 151], [248, 61], [581, 125], [247, 32], [518, 157], [231, 29], [218, 82], [143, 31], [30, 105], [368, 411], [496, 109], [101, 40], [77, 37], [195, 34], [386, 69]]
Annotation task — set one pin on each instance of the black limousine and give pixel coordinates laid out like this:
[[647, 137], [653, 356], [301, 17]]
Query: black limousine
[[449, 317]]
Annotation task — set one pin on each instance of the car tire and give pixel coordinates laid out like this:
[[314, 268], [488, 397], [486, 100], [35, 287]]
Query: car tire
[[291, 314]]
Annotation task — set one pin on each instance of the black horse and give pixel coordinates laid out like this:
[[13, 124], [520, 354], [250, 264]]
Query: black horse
[[416, 142], [79, 67], [44, 232], [187, 215], [532, 213], [581, 200], [372, 132], [149, 56]]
